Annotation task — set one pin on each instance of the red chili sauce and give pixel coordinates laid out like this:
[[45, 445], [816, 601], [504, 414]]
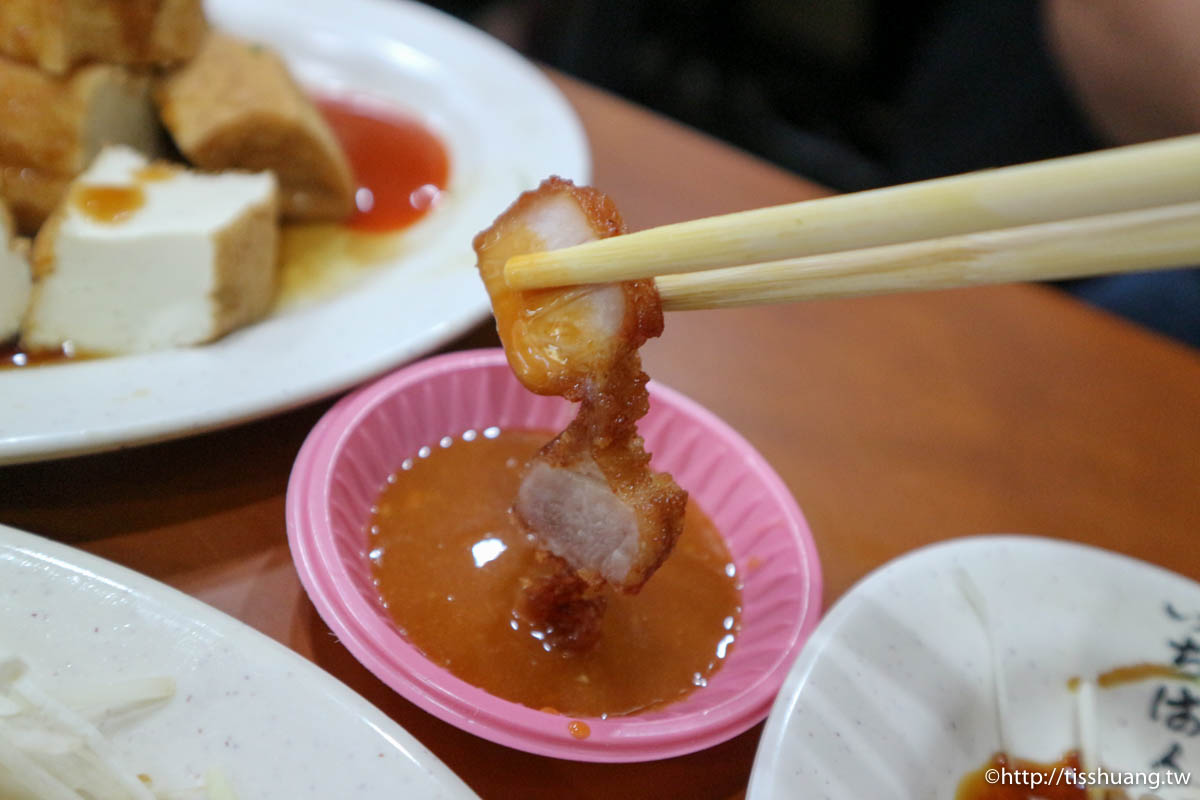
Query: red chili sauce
[[401, 167]]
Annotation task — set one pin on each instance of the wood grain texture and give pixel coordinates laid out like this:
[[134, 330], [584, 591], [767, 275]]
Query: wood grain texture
[[896, 421]]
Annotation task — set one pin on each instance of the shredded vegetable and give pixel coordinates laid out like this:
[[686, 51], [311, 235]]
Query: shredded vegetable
[[52, 749]]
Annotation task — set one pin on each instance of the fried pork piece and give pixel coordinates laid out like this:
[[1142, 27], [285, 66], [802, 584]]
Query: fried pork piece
[[567, 608], [58, 34], [57, 125], [236, 106], [589, 496]]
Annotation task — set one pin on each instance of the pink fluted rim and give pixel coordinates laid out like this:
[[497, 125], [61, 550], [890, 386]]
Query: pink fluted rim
[[344, 464]]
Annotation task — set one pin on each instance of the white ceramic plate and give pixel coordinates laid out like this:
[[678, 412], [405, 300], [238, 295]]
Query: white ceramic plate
[[506, 128], [892, 695], [274, 724]]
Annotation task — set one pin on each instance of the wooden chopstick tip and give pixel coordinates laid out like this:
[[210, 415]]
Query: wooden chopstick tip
[[519, 269]]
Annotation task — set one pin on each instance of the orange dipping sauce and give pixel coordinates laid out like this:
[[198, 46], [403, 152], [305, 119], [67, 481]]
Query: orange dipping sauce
[[448, 559], [401, 167]]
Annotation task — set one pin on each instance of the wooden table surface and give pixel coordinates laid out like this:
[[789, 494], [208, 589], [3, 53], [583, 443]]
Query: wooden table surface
[[896, 421]]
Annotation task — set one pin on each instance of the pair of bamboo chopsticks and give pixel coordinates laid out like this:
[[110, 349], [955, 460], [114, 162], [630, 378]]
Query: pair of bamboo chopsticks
[[1121, 210]]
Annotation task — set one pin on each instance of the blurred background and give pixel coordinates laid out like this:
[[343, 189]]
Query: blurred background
[[851, 93], [856, 94]]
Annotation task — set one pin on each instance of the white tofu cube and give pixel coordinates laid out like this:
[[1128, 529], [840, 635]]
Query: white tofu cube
[[146, 256]]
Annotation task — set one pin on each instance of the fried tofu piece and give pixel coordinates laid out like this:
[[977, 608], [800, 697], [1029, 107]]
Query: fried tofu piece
[[15, 281], [57, 35], [236, 106], [52, 127], [57, 125], [31, 195], [146, 256]]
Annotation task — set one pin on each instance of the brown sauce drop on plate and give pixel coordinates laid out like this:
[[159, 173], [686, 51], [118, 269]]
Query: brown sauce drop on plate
[[1119, 676], [579, 729], [319, 260], [448, 560], [110, 205], [12, 356]]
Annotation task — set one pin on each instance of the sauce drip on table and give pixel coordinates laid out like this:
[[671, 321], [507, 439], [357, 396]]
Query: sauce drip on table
[[401, 167], [448, 560]]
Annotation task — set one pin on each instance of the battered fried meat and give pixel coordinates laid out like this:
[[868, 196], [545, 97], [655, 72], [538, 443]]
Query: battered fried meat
[[589, 497]]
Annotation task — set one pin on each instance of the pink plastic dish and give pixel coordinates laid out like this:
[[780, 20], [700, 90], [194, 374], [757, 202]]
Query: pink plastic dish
[[345, 462]]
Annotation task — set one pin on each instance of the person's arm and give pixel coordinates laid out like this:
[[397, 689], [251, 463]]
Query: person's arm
[[1133, 64]]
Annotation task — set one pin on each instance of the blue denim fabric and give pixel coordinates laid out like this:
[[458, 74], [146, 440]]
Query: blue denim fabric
[[1167, 301]]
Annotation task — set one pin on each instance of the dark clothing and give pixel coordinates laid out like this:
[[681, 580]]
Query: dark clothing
[[985, 93]]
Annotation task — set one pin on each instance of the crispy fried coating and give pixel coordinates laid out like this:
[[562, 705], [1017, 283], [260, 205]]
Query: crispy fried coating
[[589, 496], [51, 127], [566, 607], [56, 35], [58, 124], [31, 194], [237, 106]]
